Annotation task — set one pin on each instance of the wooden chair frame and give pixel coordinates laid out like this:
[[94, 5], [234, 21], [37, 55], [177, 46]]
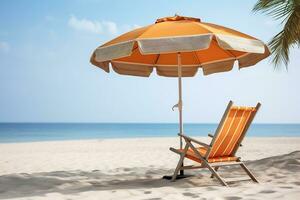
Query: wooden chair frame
[[213, 167]]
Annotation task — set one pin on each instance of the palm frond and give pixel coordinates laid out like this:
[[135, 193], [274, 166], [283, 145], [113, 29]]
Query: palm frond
[[289, 13], [275, 8]]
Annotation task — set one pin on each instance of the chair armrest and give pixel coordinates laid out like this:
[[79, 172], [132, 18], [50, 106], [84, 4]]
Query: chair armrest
[[193, 140], [175, 150]]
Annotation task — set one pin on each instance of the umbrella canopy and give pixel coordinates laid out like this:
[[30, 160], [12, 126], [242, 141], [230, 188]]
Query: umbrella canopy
[[203, 45]]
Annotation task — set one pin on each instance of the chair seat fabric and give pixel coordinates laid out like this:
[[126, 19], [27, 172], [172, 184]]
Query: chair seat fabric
[[190, 154]]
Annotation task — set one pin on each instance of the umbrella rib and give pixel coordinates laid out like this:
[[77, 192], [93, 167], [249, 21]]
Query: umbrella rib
[[197, 58], [156, 60]]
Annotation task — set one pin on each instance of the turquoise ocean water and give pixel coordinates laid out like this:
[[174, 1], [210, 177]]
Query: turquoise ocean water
[[28, 132]]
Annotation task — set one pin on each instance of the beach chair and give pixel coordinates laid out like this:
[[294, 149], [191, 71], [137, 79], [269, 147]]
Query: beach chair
[[223, 146]]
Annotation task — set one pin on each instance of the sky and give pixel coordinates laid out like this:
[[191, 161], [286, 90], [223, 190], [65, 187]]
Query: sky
[[45, 74]]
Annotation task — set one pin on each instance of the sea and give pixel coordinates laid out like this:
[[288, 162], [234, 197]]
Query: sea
[[30, 132]]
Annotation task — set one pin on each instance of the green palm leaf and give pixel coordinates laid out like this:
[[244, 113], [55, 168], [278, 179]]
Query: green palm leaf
[[288, 11]]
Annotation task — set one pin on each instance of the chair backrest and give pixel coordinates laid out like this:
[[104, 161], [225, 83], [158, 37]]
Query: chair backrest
[[231, 130]]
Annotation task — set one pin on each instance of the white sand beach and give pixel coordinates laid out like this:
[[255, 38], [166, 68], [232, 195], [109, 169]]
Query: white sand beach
[[133, 169]]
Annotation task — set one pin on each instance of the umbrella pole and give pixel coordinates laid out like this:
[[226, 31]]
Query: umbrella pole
[[179, 106], [180, 102]]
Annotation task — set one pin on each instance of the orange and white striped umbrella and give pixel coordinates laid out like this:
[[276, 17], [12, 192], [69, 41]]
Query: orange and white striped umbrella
[[177, 47], [203, 45]]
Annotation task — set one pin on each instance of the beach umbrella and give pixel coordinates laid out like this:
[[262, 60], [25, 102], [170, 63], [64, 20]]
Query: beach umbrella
[[178, 46]]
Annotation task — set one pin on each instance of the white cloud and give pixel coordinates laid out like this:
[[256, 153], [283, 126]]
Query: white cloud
[[104, 27], [4, 47], [85, 25], [111, 27]]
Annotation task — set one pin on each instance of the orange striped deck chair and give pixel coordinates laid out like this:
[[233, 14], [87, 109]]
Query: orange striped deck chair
[[223, 146]]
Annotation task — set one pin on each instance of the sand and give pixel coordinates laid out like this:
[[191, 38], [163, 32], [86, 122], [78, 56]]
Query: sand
[[133, 169]]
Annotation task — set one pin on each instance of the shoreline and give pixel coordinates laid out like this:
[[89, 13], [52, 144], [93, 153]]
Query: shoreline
[[132, 138]]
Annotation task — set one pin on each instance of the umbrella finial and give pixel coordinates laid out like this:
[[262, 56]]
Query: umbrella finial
[[177, 17]]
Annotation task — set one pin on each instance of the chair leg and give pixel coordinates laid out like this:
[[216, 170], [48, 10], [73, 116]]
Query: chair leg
[[215, 173], [248, 172], [205, 163], [180, 163], [216, 169]]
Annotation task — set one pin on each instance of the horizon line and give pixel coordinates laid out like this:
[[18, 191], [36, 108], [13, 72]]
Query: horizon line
[[284, 123]]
